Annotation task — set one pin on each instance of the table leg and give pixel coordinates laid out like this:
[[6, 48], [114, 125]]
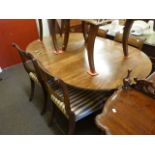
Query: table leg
[[62, 27], [40, 29], [90, 48], [53, 31], [128, 25], [66, 34], [84, 31]]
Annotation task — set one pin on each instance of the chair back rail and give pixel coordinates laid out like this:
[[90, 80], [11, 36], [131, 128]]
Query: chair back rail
[[47, 78], [25, 56]]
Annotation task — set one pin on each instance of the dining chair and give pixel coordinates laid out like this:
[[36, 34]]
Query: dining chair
[[27, 61], [74, 103], [133, 41]]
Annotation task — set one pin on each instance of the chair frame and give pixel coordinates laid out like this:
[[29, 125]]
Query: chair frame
[[46, 77], [24, 57]]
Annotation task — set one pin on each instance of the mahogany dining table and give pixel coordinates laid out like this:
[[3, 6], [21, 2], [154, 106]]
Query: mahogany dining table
[[72, 65], [89, 36]]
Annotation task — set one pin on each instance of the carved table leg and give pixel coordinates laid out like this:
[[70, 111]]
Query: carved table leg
[[84, 31], [66, 34], [90, 48], [40, 29], [128, 25], [53, 24]]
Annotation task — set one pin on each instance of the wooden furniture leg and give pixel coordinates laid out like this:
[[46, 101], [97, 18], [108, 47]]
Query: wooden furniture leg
[[52, 106], [66, 34], [40, 29], [71, 126], [53, 31], [84, 31], [32, 90], [127, 27], [45, 101], [90, 48]]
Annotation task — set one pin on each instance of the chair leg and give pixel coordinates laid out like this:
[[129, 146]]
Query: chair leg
[[32, 90], [71, 126], [45, 101], [52, 114]]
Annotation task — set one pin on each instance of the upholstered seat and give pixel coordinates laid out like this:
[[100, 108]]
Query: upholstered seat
[[33, 76], [82, 102]]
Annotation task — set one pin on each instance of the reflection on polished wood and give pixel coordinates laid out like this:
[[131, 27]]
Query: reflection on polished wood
[[128, 112], [110, 62]]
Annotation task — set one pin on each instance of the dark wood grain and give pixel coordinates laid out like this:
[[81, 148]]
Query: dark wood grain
[[40, 29], [90, 47], [127, 27], [128, 112]]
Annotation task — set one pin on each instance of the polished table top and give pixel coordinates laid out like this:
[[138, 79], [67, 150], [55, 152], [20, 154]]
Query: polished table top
[[72, 65], [128, 112]]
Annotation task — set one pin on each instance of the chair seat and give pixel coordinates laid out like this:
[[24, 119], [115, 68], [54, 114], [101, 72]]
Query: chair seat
[[33, 76], [82, 102]]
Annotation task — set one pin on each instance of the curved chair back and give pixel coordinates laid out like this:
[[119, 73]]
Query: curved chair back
[[52, 85], [25, 56]]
